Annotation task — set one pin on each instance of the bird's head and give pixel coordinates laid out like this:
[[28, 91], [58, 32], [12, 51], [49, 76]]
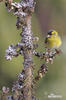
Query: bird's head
[[52, 32]]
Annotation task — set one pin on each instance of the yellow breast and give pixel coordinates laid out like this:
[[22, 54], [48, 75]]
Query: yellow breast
[[53, 42]]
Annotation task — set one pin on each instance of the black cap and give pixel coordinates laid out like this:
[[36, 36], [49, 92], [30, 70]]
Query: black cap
[[50, 32]]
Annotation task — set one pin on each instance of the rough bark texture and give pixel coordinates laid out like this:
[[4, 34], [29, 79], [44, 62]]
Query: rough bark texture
[[27, 52], [23, 10]]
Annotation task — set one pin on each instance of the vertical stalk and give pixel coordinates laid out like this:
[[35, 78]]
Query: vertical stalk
[[27, 52], [23, 10]]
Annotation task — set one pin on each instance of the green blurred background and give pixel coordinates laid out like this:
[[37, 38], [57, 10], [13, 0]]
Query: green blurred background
[[49, 14]]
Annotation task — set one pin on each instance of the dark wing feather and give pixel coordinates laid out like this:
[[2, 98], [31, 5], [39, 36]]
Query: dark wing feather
[[46, 40]]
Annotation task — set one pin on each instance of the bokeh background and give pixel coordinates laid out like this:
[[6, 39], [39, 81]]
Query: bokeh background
[[49, 14]]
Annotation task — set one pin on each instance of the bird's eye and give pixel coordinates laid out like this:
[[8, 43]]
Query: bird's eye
[[49, 32]]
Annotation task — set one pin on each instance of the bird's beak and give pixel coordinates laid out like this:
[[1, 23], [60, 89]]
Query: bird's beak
[[48, 35]]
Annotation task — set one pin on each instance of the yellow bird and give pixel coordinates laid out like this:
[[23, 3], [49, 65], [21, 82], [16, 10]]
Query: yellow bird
[[52, 40]]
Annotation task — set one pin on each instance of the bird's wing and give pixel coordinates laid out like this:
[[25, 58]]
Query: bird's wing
[[46, 40]]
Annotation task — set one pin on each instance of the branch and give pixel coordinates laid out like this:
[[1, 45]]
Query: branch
[[41, 72], [48, 56], [12, 51]]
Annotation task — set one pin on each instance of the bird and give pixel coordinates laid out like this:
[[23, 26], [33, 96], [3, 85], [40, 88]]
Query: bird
[[52, 40]]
